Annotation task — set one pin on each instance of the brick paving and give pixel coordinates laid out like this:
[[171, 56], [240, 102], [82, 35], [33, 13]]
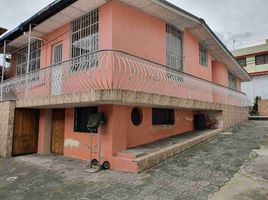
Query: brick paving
[[193, 174]]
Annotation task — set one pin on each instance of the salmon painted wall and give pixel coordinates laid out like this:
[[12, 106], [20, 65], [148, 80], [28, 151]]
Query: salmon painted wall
[[219, 73], [59, 36], [146, 132], [127, 29], [119, 133], [191, 55]]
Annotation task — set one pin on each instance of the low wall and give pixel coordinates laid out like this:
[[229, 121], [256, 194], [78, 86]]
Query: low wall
[[233, 115], [263, 107], [7, 110]]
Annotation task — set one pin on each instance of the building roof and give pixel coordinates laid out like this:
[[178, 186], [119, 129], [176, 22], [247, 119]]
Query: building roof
[[257, 49], [61, 12]]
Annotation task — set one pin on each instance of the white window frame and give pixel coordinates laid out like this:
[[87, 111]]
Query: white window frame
[[203, 55], [232, 81], [85, 34], [174, 47]]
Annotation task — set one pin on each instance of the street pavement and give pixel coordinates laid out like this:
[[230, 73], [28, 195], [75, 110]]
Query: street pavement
[[208, 170]]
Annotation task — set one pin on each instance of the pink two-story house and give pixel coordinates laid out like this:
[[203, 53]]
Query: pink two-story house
[[147, 65]]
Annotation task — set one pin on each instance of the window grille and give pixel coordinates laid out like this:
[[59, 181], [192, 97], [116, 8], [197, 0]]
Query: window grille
[[203, 55], [232, 81], [84, 34], [162, 116], [22, 56], [81, 116], [174, 49]]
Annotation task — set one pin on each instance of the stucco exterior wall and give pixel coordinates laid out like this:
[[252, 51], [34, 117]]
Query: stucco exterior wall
[[191, 55], [147, 133], [127, 29], [219, 73], [59, 36], [7, 110]]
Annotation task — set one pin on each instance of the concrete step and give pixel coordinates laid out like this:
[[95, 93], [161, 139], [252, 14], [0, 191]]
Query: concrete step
[[139, 160]]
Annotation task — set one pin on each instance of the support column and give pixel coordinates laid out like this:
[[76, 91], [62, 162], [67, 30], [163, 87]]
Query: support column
[[7, 110], [45, 128]]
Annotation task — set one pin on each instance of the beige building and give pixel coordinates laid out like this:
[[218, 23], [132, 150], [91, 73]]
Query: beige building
[[255, 60]]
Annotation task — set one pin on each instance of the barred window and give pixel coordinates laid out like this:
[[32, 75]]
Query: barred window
[[84, 34], [242, 61], [174, 48], [203, 55], [161, 116], [22, 56], [81, 117], [262, 59], [232, 81]]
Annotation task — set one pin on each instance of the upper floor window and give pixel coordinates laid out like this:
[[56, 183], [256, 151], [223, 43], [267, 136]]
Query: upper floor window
[[84, 34], [232, 81], [174, 48], [203, 55], [22, 58], [242, 61], [262, 59]]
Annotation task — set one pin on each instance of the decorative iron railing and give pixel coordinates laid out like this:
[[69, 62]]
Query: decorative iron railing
[[116, 70]]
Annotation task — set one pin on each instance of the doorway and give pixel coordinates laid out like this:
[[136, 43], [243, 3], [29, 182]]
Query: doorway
[[56, 82], [57, 136]]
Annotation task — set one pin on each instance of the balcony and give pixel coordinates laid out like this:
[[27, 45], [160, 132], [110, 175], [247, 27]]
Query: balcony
[[111, 70]]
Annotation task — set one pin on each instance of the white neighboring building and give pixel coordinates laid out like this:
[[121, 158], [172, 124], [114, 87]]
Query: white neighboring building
[[255, 61]]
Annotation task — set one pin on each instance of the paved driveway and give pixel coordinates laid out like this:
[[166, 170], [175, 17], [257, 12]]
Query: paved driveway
[[193, 174]]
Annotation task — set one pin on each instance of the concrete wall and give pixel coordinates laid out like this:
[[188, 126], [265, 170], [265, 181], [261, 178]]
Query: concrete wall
[[256, 87], [263, 107], [7, 110]]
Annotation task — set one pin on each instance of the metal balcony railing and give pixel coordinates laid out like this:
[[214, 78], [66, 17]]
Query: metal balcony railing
[[116, 70]]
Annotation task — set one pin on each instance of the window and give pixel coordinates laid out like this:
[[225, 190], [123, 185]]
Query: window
[[136, 116], [174, 48], [162, 116], [261, 59], [232, 81], [81, 116], [22, 56], [203, 55], [242, 61], [84, 34]]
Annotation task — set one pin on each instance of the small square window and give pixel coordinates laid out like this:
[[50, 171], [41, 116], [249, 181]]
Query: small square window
[[81, 116]]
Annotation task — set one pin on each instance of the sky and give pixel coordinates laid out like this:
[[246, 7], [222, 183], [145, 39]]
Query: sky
[[238, 23]]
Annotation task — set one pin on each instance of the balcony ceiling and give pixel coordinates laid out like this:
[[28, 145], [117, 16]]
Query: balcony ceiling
[[158, 8], [67, 15]]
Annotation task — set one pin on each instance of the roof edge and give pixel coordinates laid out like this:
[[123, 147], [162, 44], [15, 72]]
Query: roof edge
[[206, 26], [37, 19]]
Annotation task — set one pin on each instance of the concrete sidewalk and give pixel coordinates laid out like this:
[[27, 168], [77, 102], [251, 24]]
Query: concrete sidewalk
[[251, 182]]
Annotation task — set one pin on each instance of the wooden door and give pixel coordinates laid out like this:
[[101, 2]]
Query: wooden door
[[25, 135], [57, 138]]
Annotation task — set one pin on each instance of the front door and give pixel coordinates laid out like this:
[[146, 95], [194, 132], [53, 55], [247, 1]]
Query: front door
[[57, 142], [56, 82], [25, 136]]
